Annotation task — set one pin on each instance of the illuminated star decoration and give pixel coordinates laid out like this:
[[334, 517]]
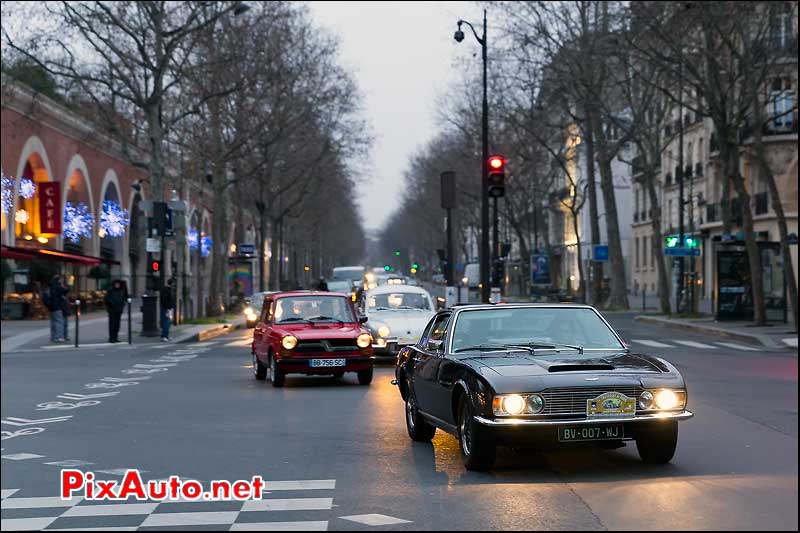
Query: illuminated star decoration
[[27, 188], [8, 194], [193, 239], [113, 219], [78, 222], [205, 246]]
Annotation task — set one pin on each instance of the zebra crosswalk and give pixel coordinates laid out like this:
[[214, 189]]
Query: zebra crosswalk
[[21, 512], [714, 345]]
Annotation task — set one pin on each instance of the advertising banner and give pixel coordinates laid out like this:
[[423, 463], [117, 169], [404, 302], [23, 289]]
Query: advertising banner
[[50, 215]]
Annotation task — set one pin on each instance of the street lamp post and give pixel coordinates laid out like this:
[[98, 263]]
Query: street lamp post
[[484, 254]]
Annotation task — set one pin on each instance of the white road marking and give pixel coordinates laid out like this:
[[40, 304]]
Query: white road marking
[[39, 503], [280, 526], [375, 519], [654, 344], [311, 484], [5, 435], [68, 346], [5, 493], [22, 456], [72, 396], [190, 519], [70, 463], [694, 344], [14, 421], [119, 471], [26, 524], [111, 510], [790, 341], [739, 346], [291, 504]]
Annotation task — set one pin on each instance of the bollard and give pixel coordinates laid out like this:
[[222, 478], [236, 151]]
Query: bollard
[[644, 298], [130, 339], [77, 320]]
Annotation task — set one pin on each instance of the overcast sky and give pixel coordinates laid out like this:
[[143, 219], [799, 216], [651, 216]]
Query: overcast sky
[[403, 56]]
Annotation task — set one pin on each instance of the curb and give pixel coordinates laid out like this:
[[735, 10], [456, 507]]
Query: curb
[[212, 332], [709, 330]]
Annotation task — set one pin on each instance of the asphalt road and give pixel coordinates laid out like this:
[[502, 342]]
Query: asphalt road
[[197, 412]]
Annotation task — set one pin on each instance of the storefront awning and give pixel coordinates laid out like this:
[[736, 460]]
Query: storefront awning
[[31, 254]]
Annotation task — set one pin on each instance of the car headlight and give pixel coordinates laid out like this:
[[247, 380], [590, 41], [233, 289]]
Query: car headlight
[[667, 399], [289, 342], [248, 310], [517, 404], [646, 400], [662, 399], [384, 331], [251, 317], [364, 340]]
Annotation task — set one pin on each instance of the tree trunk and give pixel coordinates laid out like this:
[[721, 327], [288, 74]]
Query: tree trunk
[[655, 246], [273, 260], [219, 250], [594, 220], [582, 280], [753, 253]]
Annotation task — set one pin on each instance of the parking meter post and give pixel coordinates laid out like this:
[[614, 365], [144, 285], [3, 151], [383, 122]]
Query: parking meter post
[[77, 320], [130, 338]]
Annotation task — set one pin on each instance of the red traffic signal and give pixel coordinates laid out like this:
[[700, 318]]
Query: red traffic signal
[[496, 162], [497, 176], [155, 266]]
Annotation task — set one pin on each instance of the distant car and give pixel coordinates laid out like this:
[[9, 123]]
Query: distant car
[[537, 375], [312, 333], [351, 273], [342, 286], [396, 316], [253, 309]]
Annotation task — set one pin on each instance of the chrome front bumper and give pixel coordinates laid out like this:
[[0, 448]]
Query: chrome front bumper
[[520, 422]]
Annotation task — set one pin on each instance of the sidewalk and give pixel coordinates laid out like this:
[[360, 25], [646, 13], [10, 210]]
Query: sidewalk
[[27, 335], [778, 335]]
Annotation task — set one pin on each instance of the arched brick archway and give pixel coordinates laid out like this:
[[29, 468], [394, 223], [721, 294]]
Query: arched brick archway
[[77, 188], [33, 164], [111, 247]]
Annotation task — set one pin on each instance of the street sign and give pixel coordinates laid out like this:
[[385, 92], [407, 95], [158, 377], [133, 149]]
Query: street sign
[[600, 252], [247, 249], [153, 245], [682, 252]]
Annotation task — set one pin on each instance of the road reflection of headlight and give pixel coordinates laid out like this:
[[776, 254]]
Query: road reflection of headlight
[[666, 399]]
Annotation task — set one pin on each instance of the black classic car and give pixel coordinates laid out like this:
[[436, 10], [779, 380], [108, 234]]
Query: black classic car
[[537, 375]]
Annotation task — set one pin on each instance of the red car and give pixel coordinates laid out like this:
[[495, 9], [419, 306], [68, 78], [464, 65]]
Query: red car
[[312, 333]]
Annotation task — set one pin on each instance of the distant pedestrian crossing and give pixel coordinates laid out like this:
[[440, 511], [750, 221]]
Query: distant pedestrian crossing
[[715, 345]]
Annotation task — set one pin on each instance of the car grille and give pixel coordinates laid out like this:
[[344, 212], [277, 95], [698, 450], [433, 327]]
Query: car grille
[[332, 345], [572, 400]]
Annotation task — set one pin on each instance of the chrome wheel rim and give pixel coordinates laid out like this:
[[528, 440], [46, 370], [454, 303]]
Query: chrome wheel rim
[[410, 412], [466, 437]]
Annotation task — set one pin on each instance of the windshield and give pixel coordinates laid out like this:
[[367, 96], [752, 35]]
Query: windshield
[[256, 301], [353, 274], [340, 286], [522, 326], [313, 309], [399, 300]]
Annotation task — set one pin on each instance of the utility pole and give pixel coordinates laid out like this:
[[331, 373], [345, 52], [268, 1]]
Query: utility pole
[[679, 176]]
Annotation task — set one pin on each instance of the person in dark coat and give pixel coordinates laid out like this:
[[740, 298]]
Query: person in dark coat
[[55, 304], [322, 285], [116, 297], [167, 303]]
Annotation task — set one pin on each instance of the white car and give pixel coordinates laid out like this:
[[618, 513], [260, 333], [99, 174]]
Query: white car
[[396, 316]]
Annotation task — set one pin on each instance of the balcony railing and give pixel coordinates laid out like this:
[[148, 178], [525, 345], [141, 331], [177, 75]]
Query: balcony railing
[[762, 203]]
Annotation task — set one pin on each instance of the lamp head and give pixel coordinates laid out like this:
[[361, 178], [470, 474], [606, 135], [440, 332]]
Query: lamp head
[[459, 35]]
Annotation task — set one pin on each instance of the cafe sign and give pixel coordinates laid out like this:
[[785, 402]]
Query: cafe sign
[[50, 206]]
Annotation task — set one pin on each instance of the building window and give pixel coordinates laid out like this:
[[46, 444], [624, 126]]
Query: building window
[[781, 104], [781, 25], [637, 253], [644, 252]]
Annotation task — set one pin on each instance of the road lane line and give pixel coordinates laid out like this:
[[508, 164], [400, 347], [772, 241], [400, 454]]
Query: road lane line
[[111, 510], [280, 526], [653, 344], [311, 484], [190, 519], [22, 456], [5, 493], [694, 344], [290, 504], [739, 346]]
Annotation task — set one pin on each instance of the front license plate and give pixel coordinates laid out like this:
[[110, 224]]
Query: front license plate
[[577, 433], [326, 363]]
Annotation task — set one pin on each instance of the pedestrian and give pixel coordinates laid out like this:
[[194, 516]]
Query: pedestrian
[[54, 304], [65, 309], [322, 285], [115, 304], [166, 307]]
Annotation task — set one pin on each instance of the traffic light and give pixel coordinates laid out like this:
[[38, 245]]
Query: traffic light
[[155, 266], [387, 268], [415, 265], [673, 241], [397, 253], [497, 176]]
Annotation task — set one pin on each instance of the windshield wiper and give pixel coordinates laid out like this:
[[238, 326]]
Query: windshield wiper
[[292, 319], [495, 347], [325, 318], [554, 346]]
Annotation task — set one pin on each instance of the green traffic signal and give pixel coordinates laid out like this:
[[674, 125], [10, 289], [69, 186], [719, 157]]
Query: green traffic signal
[[415, 265], [672, 241], [387, 268], [397, 253]]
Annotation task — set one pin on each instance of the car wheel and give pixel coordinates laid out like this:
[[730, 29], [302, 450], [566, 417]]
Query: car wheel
[[278, 378], [476, 444], [338, 374], [365, 376], [259, 370], [657, 446], [418, 429]]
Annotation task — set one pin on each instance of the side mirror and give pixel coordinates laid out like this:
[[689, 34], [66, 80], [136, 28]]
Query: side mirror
[[435, 346], [362, 319]]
